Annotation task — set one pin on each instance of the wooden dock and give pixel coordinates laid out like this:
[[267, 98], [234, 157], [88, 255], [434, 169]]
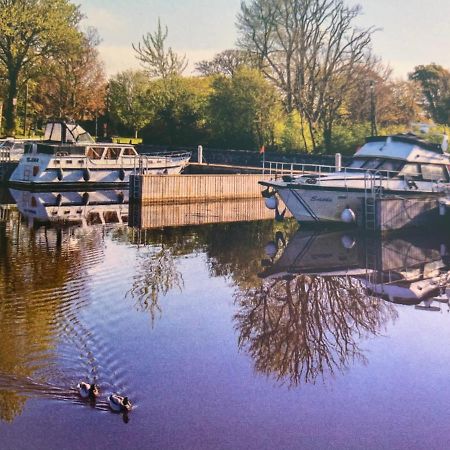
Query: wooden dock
[[194, 188]]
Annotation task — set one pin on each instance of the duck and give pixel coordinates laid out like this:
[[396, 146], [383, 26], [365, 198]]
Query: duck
[[87, 390], [119, 404]]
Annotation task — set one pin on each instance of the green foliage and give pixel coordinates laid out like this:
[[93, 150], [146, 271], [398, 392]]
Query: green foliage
[[243, 110], [128, 100], [290, 135], [32, 32], [435, 83], [178, 105]]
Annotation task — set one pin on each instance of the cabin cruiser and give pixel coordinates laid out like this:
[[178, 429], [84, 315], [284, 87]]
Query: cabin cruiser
[[403, 164], [83, 208], [68, 156]]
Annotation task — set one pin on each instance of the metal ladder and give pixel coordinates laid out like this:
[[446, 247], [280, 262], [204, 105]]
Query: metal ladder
[[373, 190]]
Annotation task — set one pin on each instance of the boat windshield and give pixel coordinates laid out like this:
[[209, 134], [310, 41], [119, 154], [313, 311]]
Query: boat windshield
[[389, 165]]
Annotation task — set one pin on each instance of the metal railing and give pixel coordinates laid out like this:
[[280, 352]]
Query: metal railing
[[145, 163], [346, 174]]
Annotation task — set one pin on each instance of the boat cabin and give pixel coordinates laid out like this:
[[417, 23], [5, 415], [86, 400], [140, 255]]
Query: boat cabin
[[403, 156]]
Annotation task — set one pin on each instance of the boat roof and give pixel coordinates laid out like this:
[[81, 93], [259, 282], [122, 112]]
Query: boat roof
[[406, 147]]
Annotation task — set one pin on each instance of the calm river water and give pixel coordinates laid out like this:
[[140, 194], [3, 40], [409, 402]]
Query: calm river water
[[249, 335]]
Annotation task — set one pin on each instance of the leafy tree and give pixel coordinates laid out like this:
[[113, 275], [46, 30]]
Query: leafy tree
[[244, 109], [179, 106], [128, 100], [434, 81], [156, 60], [74, 85], [31, 32]]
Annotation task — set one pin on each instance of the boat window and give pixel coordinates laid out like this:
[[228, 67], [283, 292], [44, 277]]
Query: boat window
[[411, 171], [433, 172], [391, 165], [94, 153], [129, 151], [112, 153], [357, 163], [372, 163]]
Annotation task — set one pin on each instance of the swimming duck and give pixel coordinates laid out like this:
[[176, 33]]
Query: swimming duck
[[87, 390], [119, 404]]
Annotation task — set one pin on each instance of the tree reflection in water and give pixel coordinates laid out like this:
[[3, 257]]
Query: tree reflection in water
[[300, 328], [156, 275]]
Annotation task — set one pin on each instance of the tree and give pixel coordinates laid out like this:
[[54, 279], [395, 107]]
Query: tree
[[128, 100], [309, 49], [156, 60], [434, 81], [179, 106], [226, 63], [243, 109], [32, 32], [74, 85]]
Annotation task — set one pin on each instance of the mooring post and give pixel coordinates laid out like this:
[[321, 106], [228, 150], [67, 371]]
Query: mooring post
[[338, 162], [200, 154]]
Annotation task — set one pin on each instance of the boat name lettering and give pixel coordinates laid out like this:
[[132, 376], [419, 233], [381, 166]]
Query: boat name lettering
[[321, 199], [33, 160]]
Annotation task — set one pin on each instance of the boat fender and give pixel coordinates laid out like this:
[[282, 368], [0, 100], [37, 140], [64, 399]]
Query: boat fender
[[86, 174], [60, 174], [267, 193], [348, 242], [442, 209], [271, 202], [59, 199], [85, 198], [121, 174], [348, 216], [120, 197]]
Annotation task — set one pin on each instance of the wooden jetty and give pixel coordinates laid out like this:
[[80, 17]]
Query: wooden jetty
[[189, 188]]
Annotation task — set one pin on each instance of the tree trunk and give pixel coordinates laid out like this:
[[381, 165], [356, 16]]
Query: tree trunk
[[10, 107]]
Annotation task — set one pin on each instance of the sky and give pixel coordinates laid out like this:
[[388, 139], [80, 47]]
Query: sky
[[411, 32]]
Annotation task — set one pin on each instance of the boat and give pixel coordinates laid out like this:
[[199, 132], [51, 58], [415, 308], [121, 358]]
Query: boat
[[69, 157], [400, 165]]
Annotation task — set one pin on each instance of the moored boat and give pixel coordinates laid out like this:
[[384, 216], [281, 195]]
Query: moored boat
[[403, 165], [69, 157]]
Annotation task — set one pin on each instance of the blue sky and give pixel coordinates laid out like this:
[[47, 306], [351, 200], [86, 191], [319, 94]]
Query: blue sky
[[412, 31]]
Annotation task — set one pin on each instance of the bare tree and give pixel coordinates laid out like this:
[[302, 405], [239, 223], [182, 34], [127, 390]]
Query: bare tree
[[158, 61], [226, 63], [310, 50]]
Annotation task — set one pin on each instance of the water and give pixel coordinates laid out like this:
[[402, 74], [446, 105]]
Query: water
[[248, 335]]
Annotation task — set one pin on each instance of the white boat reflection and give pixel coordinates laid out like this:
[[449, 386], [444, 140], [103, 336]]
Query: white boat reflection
[[408, 269], [83, 208]]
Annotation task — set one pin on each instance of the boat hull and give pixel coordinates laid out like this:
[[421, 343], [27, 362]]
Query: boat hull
[[320, 204]]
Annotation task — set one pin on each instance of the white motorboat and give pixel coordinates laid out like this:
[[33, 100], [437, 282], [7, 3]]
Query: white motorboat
[[69, 157], [403, 165]]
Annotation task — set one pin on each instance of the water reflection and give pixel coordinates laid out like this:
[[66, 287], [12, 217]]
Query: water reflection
[[323, 294]]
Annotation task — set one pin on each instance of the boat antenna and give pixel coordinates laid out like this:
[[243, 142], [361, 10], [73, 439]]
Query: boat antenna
[[373, 109]]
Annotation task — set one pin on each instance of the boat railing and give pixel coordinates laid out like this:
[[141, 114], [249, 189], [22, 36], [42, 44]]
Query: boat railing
[[145, 163], [281, 169], [5, 152]]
